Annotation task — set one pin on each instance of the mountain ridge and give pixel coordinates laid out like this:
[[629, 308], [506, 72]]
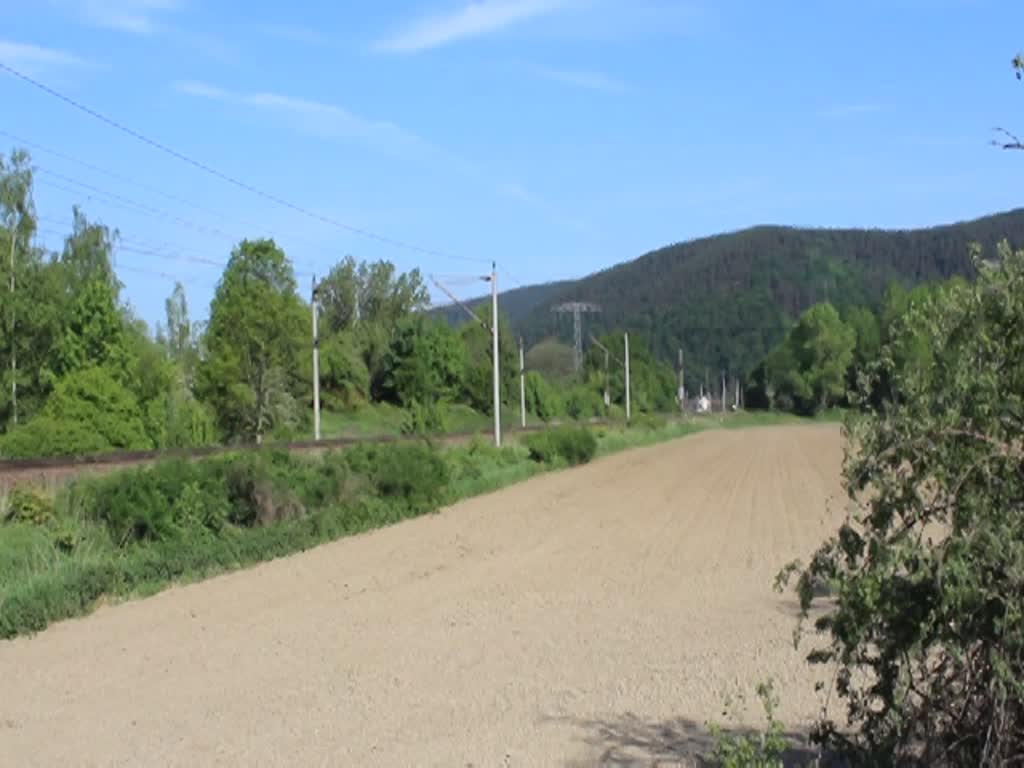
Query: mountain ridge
[[725, 299]]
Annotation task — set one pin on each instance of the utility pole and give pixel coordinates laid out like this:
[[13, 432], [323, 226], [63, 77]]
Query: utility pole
[[522, 385], [316, 366], [577, 308], [607, 355], [607, 391], [14, 350], [682, 384], [625, 338], [494, 343]]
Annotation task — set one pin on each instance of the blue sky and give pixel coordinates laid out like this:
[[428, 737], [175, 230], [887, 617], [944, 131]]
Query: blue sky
[[557, 137]]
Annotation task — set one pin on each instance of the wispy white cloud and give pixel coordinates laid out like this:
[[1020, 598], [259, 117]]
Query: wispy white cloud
[[293, 33], [141, 17], [27, 55], [848, 110], [204, 90], [580, 78], [480, 17], [519, 193], [309, 116]]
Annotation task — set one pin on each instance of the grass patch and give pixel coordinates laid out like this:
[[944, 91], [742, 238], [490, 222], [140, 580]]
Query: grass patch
[[386, 419]]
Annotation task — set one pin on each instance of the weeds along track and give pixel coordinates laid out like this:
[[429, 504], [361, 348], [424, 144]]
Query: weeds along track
[[594, 616], [53, 472]]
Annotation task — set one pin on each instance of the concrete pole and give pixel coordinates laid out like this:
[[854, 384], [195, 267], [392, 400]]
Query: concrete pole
[[682, 384], [626, 340], [316, 367], [522, 385], [494, 340], [14, 349]]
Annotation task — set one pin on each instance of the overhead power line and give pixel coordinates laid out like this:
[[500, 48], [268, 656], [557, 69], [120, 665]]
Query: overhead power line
[[132, 267], [211, 212], [394, 242]]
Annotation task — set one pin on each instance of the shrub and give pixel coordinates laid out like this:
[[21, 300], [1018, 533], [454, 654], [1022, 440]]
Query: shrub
[[926, 629], [424, 419], [132, 504], [583, 402], [412, 473], [257, 489], [760, 750], [541, 398], [574, 445], [88, 412], [27, 506]]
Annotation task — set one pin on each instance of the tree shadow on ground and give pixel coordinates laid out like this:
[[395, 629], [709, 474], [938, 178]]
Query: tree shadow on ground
[[633, 741]]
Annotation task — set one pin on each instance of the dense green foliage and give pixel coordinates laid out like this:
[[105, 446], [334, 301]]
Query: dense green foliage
[[926, 620]]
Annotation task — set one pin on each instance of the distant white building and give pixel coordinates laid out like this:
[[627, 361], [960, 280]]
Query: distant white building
[[703, 404]]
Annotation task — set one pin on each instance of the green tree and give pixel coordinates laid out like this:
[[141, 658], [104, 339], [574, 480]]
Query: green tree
[[478, 382], [339, 294], [808, 370], [344, 377], [94, 332], [255, 372], [355, 293], [426, 362], [88, 255], [179, 333], [18, 260], [926, 578]]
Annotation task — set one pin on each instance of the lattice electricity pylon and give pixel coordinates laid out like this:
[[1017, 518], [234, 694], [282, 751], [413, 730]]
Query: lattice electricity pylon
[[577, 308]]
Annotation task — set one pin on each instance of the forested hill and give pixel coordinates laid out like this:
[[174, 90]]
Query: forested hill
[[726, 300]]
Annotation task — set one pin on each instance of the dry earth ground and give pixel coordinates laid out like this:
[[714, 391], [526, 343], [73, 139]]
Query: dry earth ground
[[588, 617]]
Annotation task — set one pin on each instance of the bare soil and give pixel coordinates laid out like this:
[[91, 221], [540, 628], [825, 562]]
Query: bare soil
[[596, 616]]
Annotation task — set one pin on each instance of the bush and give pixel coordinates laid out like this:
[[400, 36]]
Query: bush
[[584, 403], [413, 474], [574, 445], [424, 419], [926, 629], [132, 505], [25, 506], [541, 398], [762, 750], [88, 412], [257, 489]]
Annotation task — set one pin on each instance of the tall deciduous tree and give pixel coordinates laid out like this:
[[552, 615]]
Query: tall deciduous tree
[[808, 370], [359, 293], [17, 260], [254, 372], [88, 254]]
